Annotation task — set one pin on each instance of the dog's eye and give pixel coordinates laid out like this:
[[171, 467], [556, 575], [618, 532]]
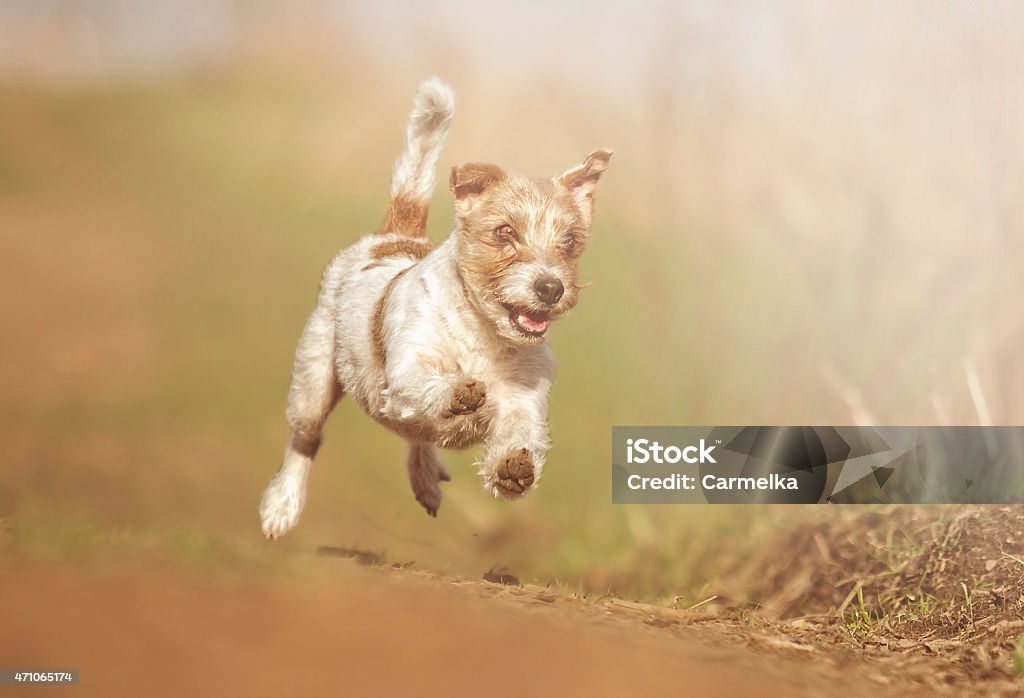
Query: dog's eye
[[506, 234], [570, 243]]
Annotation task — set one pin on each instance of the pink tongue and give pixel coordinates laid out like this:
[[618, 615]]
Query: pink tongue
[[529, 323]]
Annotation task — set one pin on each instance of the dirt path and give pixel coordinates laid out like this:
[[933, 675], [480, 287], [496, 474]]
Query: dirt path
[[135, 630]]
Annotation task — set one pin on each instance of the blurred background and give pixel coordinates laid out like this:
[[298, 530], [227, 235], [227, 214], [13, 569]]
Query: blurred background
[[814, 216]]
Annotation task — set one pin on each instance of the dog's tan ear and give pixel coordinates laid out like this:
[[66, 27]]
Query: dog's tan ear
[[473, 178], [581, 181]]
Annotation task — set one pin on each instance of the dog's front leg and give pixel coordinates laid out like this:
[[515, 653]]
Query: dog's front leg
[[420, 387], [517, 444]]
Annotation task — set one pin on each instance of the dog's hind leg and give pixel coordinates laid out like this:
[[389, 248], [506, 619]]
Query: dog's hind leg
[[426, 472], [313, 394]]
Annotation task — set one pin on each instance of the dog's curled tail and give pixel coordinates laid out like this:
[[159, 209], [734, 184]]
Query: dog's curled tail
[[412, 183]]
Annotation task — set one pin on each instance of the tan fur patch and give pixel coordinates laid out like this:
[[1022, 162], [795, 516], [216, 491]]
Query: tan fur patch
[[305, 445], [377, 321], [406, 216], [415, 248], [472, 178]]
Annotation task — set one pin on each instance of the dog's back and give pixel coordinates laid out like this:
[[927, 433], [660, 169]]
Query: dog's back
[[358, 282]]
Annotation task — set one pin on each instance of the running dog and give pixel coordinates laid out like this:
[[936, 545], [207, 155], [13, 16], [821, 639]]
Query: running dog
[[443, 345]]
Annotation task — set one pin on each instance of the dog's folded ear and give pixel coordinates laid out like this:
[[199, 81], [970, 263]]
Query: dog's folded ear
[[473, 178], [581, 181]]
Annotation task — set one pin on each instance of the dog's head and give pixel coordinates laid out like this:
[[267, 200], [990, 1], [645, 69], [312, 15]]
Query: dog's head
[[520, 241]]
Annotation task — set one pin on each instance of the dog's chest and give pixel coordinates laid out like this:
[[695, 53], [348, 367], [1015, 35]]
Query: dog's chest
[[463, 431], [449, 431]]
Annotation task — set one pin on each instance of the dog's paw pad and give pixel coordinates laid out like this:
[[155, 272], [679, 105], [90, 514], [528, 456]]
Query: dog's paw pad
[[515, 474], [468, 397]]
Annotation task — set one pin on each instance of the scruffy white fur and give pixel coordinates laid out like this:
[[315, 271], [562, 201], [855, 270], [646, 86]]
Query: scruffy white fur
[[428, 127], [405, 333]]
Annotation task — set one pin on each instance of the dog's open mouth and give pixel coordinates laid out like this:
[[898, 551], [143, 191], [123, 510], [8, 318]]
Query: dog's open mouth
[[530, 323]]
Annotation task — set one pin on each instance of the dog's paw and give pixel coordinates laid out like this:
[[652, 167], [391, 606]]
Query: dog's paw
[[426, 473], [281, 505], [468, 396], [514, 475], [429, 496]]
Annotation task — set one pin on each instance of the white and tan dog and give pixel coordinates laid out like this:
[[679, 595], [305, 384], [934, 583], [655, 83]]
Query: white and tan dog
[[443, 346]]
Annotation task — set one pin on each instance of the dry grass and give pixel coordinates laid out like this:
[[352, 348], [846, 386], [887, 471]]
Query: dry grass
[[915, 581]]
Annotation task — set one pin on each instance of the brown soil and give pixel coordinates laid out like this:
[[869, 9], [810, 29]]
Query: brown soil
[[149, 632], [374, 629]]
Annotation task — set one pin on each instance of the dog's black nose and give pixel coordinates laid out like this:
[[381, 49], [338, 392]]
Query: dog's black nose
[[549, 289]]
